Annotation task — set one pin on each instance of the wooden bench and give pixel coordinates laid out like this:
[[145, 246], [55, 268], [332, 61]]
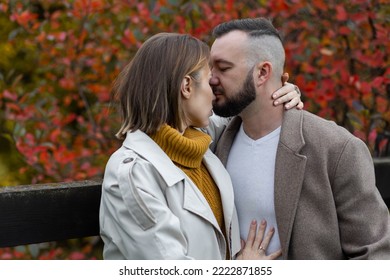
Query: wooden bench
[[51, 212]]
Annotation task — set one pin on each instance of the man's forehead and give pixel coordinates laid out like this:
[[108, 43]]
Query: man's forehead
[[228, 47]]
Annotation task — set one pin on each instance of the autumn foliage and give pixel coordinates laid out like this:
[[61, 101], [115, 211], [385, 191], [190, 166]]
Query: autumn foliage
[[59, 58]]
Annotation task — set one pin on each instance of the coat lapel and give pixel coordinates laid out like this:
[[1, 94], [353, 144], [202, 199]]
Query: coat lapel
[[289, 175], [195, 202], [222, 180], [226, 141]]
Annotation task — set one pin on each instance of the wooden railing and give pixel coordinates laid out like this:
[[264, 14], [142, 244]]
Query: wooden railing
[[51, 212], [48, 212]]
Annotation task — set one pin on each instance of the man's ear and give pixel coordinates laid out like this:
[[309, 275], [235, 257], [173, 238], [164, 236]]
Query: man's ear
[[263, 72], [185, 87]]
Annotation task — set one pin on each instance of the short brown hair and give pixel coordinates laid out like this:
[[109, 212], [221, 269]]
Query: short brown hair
[[148, 88]]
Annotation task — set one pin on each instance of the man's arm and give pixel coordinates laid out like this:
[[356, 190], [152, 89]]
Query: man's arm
[[215, 129], [363, 216]]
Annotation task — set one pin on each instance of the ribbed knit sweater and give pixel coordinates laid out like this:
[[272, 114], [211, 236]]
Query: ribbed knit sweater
[[186, 151]]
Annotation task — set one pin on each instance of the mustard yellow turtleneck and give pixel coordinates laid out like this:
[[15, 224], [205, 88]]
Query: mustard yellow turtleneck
[[187, 151]]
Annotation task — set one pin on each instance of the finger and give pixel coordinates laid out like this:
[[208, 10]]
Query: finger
[[300, 105], [285, 78], [239, 255], [286, 88], [267, 238], [251, 234], [260, 234], [291, 98], [242, 244], [293, 102], [275, 255]]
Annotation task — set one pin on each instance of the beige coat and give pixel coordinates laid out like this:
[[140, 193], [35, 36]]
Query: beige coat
[[326, 202], [151, 210]]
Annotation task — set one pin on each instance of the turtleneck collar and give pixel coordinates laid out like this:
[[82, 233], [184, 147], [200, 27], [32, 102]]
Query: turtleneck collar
[[187, 149]]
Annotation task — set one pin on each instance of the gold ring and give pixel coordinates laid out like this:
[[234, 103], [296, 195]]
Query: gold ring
[[261, 249]]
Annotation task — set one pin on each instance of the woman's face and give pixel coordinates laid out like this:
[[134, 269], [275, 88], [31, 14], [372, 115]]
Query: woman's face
[[198, 106]]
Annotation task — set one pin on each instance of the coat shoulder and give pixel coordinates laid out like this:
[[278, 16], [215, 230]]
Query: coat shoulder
[[327, 135], [305, 129], [126, 162], [324, 130]]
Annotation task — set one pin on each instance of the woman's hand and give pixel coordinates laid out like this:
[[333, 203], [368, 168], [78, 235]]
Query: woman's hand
[[289, 95], [255, 246]]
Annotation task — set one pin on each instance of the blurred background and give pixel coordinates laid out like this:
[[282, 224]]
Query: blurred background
[[58, 60]]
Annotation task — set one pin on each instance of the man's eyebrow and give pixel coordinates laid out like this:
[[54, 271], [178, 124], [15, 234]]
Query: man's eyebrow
[[223, 61]]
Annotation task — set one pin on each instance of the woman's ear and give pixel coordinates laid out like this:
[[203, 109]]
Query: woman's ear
[[263, 72], [185, 87]]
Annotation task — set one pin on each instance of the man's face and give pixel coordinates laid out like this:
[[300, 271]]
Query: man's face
[[237, 101], [232, 81]]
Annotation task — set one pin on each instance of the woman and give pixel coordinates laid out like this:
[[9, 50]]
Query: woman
[[165, 195]]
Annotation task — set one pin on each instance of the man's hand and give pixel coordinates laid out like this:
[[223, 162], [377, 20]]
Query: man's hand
[[289, 94]]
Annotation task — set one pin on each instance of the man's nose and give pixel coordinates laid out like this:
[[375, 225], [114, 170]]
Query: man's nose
[[213, 80]]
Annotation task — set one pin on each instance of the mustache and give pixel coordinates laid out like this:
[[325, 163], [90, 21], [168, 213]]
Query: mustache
[[217, 89]]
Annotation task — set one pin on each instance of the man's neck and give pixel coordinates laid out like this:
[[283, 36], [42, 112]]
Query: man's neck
[[260, 121]]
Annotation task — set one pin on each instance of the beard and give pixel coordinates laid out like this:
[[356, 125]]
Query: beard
[[239, 101]]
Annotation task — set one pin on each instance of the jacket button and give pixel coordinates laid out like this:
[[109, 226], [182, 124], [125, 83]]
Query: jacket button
[[127, 160]]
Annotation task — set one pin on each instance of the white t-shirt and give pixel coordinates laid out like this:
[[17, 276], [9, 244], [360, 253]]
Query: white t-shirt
[[251, 165]]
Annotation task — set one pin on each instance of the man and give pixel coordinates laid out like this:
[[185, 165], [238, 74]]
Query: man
[[308, 178]]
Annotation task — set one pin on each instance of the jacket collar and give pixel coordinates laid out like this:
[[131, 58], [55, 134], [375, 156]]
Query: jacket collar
[[222, 180], [291, 134], [143, 145], [226, 140]]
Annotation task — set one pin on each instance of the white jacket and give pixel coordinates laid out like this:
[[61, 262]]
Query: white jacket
[[151, 210]]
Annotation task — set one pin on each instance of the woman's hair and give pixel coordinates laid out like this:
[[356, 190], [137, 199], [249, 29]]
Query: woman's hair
[[148, 88]]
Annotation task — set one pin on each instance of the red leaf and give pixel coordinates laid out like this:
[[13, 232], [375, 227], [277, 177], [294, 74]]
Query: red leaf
[[24, 18], [229, 5], [344, 30], [320, 4], [54, 135], [382, 104], [341, 14], [9, 95], [76, 256], [382, 145]]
